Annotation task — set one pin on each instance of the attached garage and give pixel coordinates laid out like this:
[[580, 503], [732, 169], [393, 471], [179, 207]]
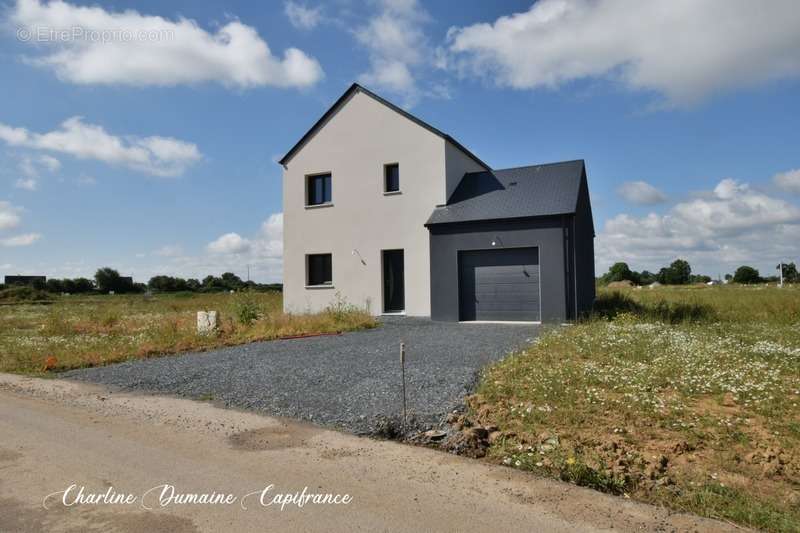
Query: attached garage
[[514, 245], [500, 284]]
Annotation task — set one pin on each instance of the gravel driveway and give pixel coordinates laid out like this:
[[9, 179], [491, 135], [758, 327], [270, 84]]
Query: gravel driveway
[[349, 381]]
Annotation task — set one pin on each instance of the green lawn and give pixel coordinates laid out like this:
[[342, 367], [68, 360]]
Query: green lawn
[[686, 397], [78, 331]]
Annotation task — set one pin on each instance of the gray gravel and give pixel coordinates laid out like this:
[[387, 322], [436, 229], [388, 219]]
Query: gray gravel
[[349, 381]]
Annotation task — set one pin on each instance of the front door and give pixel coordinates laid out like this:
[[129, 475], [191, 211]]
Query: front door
[[394, 298]]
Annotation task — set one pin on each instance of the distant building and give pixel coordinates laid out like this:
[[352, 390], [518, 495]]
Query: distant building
[[126, 281], [25, 280]]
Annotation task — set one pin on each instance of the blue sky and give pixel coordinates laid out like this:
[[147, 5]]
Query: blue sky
[[154, 151]]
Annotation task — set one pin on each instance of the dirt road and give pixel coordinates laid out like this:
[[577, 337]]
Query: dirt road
[[56, 434]]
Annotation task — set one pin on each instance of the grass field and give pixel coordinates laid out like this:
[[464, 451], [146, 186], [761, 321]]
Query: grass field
[[78, 331], [686, 397]]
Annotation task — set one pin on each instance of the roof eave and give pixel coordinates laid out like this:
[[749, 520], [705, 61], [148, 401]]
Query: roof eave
[[498, 219]]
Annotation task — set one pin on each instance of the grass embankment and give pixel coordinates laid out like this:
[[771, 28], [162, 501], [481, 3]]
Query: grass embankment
[[79, 331], [686, 397]]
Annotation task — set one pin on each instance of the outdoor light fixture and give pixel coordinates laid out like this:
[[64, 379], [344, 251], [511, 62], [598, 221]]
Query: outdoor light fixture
[[357, 253]]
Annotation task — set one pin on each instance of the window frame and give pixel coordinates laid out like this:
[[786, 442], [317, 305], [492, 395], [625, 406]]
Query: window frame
[[319, 175], [386, 189], [323, 284]]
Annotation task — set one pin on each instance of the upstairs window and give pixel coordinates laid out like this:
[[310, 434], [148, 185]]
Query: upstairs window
[[318, 189], [318, 269], [391, 177]]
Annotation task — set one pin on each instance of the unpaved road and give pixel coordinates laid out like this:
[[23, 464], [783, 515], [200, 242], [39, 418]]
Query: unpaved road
[[55, 433]]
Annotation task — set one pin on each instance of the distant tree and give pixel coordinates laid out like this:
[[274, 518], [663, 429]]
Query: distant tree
[[746, 274], [232, 281], [80, 285], [678, 273], [192, 284], [618, 272], [55, 285], [699, 278], [790, 274], [167, 284], [108, 279], [646, 277], [728, 277]]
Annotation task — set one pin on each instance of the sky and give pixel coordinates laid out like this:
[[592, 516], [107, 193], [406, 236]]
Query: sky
[[145, 135]]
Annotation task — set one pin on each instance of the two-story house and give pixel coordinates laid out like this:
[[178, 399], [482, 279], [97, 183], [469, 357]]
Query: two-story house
[[389, 213]]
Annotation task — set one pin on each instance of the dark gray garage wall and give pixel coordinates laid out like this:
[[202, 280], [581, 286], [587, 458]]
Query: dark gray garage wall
[[544, 233], [584, 250]]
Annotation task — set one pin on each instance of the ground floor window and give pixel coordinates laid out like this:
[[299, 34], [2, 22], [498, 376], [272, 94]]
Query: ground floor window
[[318, 269]]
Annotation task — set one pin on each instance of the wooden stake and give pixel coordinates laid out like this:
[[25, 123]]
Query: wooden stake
[[403, 373]]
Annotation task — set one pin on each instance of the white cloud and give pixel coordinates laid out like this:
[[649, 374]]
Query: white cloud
[[20, 240], [169, 250], [10, 219], [86, 180], [788, 181], [50, 163], [684, 50], [303, 17], [158, 156], [716, 231], [262, 252], [641, 193], [28, 184], [9, 215], [396, 44], [230, 243], [129, 48]]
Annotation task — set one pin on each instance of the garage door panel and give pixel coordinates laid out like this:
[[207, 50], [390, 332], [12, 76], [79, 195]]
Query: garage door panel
[[499, 284]]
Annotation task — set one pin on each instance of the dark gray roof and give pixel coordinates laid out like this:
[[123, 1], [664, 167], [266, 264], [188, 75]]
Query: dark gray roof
[[345, 97], [539, 190]]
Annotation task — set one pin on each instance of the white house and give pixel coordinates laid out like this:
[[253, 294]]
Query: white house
[[377, 204]]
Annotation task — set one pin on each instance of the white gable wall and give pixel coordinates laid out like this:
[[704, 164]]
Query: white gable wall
[[354, 145], [457, 164]]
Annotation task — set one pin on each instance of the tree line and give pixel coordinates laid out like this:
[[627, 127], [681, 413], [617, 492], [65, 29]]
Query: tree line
[[679, 272], [107, 280]]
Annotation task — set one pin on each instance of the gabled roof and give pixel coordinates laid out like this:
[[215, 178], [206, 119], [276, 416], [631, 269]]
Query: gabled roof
[[539, 190], [345, 97]]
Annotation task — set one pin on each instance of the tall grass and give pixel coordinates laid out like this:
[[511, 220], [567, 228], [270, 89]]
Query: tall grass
[[78, 331], [686, 397]]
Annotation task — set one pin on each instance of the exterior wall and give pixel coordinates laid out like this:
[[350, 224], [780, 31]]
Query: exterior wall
[[547, 234], [584, 251], [353, 145], [457, 163]]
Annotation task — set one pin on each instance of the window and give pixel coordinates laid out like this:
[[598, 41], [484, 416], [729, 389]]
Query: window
[[318, 269], [318, 189], [391, 177]]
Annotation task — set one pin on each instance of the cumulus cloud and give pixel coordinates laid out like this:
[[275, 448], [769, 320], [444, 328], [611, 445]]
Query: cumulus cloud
[[789, 181], [28, 184], [20, 240], [262, 251], [303, 17], [641, 193], [683, 50], [230, 243], [396, 45], [169, 250], [10, 219], [158, 156], [732, 223], [130, 48], [9, 215]]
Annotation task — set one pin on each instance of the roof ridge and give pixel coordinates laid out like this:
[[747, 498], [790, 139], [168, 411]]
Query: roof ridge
[[541, 165]]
